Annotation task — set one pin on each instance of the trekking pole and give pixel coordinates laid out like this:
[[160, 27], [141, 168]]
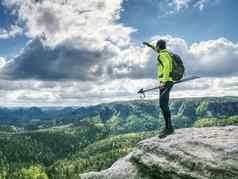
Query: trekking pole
[[142, 91]]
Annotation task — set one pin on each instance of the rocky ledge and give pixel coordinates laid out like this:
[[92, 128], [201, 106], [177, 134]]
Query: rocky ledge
[[192, 153]]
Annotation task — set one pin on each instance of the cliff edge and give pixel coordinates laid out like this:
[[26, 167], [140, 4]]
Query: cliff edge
[[191, 153]]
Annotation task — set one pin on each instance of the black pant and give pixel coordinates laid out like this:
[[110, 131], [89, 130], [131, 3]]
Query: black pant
[[164, 103]]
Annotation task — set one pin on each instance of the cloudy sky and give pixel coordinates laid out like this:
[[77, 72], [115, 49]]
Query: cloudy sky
[[77, 52]]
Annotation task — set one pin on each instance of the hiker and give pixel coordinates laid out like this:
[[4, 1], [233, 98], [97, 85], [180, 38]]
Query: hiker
[[166, 83]]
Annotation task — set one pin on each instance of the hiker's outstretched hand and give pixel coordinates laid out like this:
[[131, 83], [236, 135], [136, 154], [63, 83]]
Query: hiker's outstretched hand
[[146, 43], [149, 45]]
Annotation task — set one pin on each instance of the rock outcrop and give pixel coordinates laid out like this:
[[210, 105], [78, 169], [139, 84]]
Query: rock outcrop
[[192, 153]]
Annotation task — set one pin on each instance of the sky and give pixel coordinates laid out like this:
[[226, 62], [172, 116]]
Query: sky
[[76, 52]]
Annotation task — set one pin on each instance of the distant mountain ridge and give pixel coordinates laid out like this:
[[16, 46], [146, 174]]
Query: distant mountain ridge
[[191, 108]]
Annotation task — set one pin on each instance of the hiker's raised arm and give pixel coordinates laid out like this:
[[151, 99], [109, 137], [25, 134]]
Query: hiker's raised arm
[[149, 45]]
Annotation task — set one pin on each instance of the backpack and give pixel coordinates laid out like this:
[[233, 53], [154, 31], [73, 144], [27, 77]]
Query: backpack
[[178, 68]]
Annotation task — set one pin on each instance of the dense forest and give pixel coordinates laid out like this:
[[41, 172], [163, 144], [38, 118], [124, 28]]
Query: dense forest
[[60, 143]]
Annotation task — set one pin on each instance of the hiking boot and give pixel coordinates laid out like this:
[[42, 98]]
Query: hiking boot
[[166, 132]]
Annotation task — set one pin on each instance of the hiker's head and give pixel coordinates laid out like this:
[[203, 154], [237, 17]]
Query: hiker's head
[[160, 45]]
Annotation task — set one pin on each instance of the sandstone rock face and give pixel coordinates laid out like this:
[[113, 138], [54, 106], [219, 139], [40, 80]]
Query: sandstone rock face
[[192, 153]]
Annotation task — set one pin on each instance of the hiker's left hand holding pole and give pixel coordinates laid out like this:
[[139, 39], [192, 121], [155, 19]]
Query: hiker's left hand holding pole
[[161, 85]]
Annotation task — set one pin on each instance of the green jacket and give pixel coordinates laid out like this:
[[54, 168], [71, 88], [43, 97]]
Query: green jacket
[[164, 67]]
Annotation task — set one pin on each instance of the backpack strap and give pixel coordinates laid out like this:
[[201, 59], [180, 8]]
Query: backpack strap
[[160, 62]]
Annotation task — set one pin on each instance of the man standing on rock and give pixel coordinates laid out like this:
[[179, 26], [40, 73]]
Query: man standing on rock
[[166, 83]]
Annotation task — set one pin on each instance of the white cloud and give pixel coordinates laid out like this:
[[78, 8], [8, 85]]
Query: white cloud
[[74, 39], [28, 93], [201, 4], [171, 7], [215, 57], [184, 4], [180, 4], [87, 23], [2, 62], [14, 31]]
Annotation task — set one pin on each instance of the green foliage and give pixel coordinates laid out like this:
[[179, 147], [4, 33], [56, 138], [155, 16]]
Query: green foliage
[[7, 128], [114, 123], [205, 122], [97, 156], [182, 121], [209, 122], [201, 109], [34, 172], [230, 121], [46, 146]]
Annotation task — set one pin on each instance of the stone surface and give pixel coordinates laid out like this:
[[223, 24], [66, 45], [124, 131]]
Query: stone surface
[[191, 153]]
